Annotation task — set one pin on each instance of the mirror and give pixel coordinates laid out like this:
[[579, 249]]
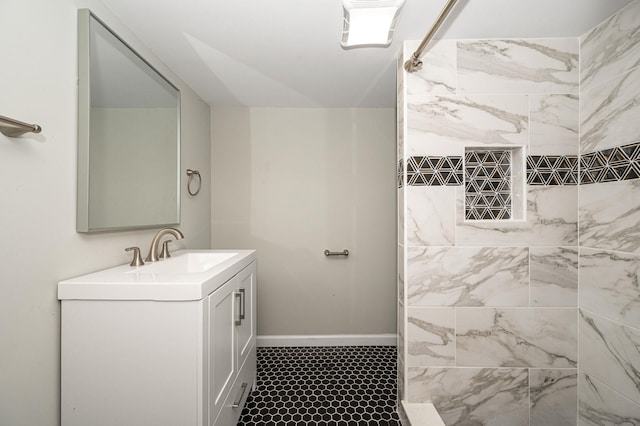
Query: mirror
[[128, 135]]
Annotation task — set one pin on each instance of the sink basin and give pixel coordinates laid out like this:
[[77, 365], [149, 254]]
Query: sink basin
[[187, 263], [187, 275]]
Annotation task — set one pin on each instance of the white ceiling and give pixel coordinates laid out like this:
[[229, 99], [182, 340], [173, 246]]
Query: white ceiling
[[287, 52]]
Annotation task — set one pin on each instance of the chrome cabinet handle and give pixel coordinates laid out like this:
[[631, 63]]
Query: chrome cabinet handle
[[243, 389], [243, 301], [240, 316]]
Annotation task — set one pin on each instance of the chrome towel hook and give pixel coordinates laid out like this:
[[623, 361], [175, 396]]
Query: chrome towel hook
[[191, 174]]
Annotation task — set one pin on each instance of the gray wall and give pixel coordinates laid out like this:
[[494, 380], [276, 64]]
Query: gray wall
[[38, 186], [292, 182]]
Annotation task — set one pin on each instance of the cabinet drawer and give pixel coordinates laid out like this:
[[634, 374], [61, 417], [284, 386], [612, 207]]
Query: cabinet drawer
[[232, 408]]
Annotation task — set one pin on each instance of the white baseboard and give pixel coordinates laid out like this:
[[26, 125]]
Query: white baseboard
[[329, 340]]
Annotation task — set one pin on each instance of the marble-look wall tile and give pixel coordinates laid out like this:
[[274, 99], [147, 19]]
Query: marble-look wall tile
[[400, 109], [551, 220], [611, 48], [608, 113], [473, 396], [554, 276], [610, 216], [400, 131], [610, 352], [401, 273], [518, 66], [400, 82], [430, 215], [554, 397], [438, 75], [400, 77], [401, 215], [599, 405], [554, 125], [402, 383], [468, 276], [402, 328], [431, 337], [516, 337], [610, 284], [444, 125]]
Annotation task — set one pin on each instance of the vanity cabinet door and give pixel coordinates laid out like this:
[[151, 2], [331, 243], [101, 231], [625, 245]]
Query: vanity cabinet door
[[222, 359], [246, 328], [231, 346]]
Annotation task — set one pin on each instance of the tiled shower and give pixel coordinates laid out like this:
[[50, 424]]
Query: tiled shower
[[519, 228]]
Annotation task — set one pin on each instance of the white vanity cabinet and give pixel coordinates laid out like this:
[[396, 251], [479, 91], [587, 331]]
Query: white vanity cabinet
[[159, 348]]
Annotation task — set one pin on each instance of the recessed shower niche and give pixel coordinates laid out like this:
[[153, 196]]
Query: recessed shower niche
[[494, 183]]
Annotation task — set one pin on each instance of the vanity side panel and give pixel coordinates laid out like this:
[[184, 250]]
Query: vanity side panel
[[131, 362]]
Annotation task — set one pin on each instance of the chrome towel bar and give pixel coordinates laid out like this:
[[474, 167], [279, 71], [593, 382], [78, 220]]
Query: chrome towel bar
[[344, 252]]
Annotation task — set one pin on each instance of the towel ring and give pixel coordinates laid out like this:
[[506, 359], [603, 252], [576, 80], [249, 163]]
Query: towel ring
[[191, 174]]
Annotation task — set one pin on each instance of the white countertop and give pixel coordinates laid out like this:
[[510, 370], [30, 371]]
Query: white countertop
[[141, 283]]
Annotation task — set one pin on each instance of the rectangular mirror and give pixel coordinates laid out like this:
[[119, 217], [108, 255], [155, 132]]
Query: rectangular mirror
[[128, 135]]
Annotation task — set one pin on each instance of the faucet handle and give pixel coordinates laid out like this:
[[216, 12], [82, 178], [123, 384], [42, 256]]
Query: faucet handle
[[137, 260], [164, 254]]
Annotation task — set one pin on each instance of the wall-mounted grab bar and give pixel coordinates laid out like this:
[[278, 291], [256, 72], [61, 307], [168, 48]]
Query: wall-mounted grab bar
[[344, 252], [414, 63], [10, 127]]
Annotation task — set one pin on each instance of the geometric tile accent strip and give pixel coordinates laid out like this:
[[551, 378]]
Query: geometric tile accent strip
[[324, 385], [487, 184], [610, 165], [434, 171], [552, 169]]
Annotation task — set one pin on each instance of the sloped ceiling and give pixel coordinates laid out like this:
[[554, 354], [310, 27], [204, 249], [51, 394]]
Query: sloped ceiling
[[287, 52]]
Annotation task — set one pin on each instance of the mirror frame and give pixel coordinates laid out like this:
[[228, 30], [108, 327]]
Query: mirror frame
[[84, 111]]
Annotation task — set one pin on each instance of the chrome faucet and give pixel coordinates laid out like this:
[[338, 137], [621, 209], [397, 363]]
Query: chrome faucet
[[153, 251]]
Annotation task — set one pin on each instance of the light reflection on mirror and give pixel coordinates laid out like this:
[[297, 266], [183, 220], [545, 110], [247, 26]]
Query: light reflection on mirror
[[128, 141]]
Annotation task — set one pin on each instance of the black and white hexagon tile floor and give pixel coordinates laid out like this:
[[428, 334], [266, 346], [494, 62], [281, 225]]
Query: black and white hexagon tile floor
[[329, 385]]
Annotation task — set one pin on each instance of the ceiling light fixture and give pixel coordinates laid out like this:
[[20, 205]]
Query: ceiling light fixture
[[369, 22]]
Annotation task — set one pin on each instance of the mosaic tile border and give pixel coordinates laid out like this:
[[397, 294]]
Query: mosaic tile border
[[607, 165], [434, 171], [611, 165], [552, 170]]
